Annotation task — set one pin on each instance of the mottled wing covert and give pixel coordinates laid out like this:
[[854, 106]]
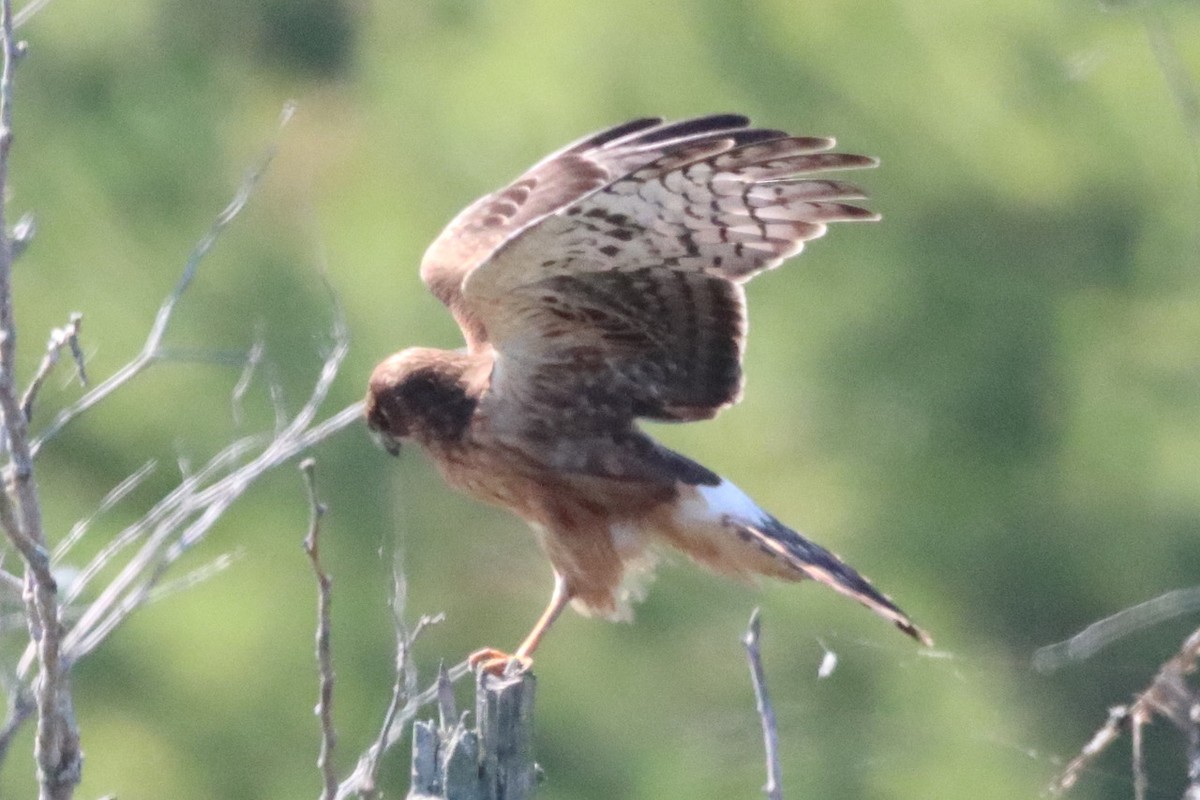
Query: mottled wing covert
[[627, 302], [549, 186]]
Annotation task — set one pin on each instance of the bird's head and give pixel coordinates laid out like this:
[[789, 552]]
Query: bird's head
[[422, 394]]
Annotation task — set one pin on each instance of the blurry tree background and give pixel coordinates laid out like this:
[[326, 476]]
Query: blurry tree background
[[989, 402]]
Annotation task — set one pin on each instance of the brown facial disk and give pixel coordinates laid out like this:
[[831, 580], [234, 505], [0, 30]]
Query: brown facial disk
[[419, 393]]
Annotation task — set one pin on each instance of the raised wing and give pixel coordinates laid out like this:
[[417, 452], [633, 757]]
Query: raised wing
[[626, 302], [551, 185]]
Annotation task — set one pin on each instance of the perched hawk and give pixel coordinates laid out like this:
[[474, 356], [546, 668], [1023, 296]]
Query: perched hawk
[[604, 286]]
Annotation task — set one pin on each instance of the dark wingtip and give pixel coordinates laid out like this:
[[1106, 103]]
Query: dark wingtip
[[629, 128], [687, 128], [758, 136], [917, 633]]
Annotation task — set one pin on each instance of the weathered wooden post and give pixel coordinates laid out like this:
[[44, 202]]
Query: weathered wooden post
[[493, 760]]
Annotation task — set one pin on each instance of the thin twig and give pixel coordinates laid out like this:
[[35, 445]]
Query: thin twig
[[1168, 695], [404, 676], [114, 496], [64, 337], [195, 577], [183, 518], [1180, 83], [1138, 762], [182, 528], [766, 712], [361, 782], [1104, 632], [30, 8], [152, 350], [405, 701], [20, 708], [324, 627], [187, 488], [1193, 750], [56, 746], [1109, 732], [253, 359]]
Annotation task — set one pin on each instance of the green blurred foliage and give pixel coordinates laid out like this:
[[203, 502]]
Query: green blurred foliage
[[990, 401]]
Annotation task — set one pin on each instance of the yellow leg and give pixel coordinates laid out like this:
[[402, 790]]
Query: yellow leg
[[498, 662]]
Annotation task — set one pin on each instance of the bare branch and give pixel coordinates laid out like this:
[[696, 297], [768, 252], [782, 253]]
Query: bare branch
[[183, 518], [195, 577], [253, 359], [31, 8], [1102, 633], [185, 522], [56, 746], [362, 782], [127, 537], [1193, 736], [403, 706], [324, 626], [1139, 764], [114, 496], [405, 700], [20, 708], [64, 337], [152, 350], [1168, 695], [1118, 717], [766, 712]]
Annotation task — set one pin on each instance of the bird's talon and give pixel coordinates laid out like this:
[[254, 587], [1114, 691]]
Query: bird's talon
[[498, 663]]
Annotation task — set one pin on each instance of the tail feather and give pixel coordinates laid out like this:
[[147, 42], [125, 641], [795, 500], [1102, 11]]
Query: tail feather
[[781, 542], [708, 512]]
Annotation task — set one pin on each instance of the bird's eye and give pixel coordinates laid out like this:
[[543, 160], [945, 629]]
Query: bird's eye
[[377, 420]]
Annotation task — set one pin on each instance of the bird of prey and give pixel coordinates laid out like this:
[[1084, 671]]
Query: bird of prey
[[604, 286]]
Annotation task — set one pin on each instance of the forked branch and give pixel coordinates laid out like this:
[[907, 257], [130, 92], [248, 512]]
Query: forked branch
[[56, 746], [766, 712], [40, 685], [312, 546], [1169, 696]]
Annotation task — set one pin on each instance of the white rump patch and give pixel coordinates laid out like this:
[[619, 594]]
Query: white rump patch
[[706, 519], [727, 500]]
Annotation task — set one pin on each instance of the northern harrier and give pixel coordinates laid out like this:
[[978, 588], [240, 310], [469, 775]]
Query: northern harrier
[[604, 286]]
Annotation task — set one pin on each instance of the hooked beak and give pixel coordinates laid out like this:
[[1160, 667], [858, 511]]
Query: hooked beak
[[388, 442]]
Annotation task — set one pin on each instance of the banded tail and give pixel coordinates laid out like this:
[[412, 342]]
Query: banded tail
[[708, 513]]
